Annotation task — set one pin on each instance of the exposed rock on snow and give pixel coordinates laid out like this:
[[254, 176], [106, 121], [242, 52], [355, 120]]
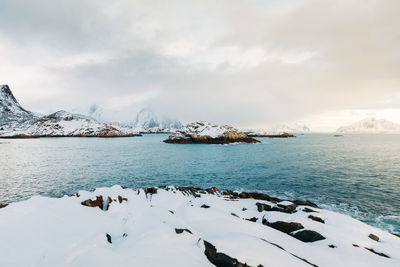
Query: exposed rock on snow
[[16, 122], [148, 122], [168, 228], [207, 133], [372, 126]]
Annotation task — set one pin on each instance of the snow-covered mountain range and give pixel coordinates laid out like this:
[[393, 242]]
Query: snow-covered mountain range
[[148, 122], [281, 128], [15, 121], [371, 125]]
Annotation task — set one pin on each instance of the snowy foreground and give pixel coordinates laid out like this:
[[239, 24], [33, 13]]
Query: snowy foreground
[[185, 227]]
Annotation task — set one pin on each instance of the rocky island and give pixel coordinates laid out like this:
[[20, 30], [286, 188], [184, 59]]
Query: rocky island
[[278, 135], [17, 122], [207, 133], [186, 226]]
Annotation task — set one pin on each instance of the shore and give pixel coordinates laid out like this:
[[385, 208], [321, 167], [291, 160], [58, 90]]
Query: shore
[[171, 226]]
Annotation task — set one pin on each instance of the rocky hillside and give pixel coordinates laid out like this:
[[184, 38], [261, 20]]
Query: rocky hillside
[[207, 133], [12, 115], [148, 122], [18, 122], [186, 226], [372, 126]]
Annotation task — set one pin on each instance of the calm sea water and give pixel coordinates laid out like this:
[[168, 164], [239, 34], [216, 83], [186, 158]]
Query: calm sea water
[[356, 174]]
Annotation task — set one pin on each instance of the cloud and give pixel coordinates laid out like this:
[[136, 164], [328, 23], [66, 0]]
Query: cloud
[[248, 63]]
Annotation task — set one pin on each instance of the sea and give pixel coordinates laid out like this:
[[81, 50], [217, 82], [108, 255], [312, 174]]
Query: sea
[[358, 175]]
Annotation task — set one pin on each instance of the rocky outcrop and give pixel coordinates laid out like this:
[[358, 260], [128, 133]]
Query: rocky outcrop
[[220, 259], [308, 236], [206, 133], [282, 135]]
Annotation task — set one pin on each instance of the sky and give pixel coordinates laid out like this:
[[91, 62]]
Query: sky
[[249, 63]]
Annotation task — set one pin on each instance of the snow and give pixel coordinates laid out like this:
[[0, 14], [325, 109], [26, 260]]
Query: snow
[[203, 129], [147, 121], [45, 231], [15, 120], [281, 128], [371, 125]]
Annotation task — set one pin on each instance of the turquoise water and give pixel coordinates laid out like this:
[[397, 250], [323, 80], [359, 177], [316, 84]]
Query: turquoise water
[[356, 174]]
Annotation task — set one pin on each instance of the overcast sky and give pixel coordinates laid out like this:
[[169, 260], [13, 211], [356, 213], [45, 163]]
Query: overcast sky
[[247, 63]]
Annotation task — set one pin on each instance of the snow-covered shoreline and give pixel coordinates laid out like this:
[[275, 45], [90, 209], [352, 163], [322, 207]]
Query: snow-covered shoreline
[[172, 226]]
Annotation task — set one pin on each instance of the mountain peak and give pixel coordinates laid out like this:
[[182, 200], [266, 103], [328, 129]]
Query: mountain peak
[[5, 93], [371, 125]]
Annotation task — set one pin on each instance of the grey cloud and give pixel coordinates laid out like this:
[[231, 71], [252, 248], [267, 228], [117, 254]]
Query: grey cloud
[[191, 60]]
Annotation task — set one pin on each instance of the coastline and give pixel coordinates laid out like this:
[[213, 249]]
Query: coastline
[[187, 226]]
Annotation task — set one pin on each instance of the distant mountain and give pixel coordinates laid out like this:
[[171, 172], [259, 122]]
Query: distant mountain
[[282, 128], [371, 125], [147, 121], [16, 121]]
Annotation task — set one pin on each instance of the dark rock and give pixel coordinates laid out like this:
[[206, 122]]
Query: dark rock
[[171, 211], [212, 190], [309, 210], [108, 238], [317, 219], [332, 246], [284, 227], [308, 236], [220, 259], [109, 200], [77, 195], [234, 214], [254, 219], [180, 231], [280, 208], [244, 209], [263, 207], [396, 234], [204, 206], [121, 199], [193, 191], [378, 253], [305, 203], [3, 205], [150, 190], [94, 203], [374, 237], [355, 245]]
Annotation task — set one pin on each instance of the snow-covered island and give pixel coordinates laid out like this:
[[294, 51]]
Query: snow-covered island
[[371, 126], [17, 122], [207, 133], [186, 226]]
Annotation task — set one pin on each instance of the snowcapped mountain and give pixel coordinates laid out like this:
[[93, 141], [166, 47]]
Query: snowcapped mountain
[[371, 125], [147, 121], [63, 123], [12, 115], [15, 121], [282, 128]]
